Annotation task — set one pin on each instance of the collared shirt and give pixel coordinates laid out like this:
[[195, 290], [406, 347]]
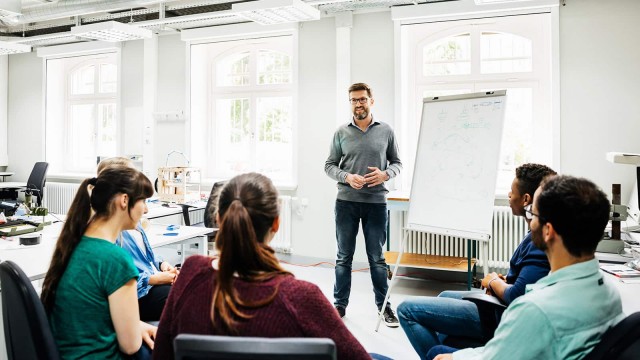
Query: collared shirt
[[143, 257], [562, 316]]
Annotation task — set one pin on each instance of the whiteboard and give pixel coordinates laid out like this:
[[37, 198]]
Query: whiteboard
[[456, 168]]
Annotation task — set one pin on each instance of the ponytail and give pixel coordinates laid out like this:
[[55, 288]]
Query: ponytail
[[248, 207], [74, 227]]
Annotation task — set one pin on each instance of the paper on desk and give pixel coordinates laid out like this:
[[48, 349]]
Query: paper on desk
[[630, 281]]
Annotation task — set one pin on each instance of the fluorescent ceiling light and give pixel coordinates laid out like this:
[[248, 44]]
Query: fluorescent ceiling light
[[269, 12], [111, 31], [489, 2], [7, 48]]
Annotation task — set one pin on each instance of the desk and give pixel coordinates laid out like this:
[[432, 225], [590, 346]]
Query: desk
[[158, 210], [34, 260], [4, 175], [13, 185], [629, 293]]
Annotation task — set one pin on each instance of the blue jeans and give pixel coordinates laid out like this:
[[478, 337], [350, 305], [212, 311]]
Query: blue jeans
[[374, 225], [428, 320], [438, 350]]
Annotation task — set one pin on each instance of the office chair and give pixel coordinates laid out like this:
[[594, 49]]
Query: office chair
[[26, 328], [490, 310], [212, 205], [621, 342], [37, 179], [197, 347]]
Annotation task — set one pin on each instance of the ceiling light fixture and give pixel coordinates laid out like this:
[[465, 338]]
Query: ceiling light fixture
[[8, 48], [269, 12], [111, 31]]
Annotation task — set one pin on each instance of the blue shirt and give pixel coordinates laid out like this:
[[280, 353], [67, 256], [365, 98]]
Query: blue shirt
[[562, 316], [145, 261], [527, 265]]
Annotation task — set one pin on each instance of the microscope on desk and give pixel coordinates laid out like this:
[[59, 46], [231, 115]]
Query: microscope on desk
[[615, 243]]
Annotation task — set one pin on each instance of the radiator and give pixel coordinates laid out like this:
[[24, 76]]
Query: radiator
[[58, 196], [507, 232], [281, 242]]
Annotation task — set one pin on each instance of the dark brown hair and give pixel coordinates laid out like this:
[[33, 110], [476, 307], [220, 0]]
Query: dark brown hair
[[360, 86], [109, 183], [248, 206]]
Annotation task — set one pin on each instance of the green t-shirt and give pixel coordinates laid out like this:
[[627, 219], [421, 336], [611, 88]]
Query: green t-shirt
[[80, 320]]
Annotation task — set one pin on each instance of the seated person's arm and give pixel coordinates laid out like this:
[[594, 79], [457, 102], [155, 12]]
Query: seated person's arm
[[529, 274], [495, 285], [130, 331], [163, 277]]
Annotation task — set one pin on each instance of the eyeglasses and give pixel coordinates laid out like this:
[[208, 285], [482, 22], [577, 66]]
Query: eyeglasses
[[530, 214], [361, 101]]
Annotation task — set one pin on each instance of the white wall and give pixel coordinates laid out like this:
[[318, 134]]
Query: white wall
[[599, 92], [599, 80]]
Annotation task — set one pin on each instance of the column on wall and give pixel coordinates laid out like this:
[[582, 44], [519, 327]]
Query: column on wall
[[149, 97], [344, 22], [4, 95]]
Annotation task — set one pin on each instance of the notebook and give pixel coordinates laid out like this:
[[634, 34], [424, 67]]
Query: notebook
[[619, 270]]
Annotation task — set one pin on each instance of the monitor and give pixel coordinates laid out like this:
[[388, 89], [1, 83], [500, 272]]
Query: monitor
[[633, 211]]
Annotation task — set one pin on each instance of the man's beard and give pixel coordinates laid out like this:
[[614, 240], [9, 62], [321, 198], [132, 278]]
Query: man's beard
[[362, 115]]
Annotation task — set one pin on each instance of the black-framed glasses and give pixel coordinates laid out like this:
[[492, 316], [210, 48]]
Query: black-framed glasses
[[361, 101], [530, 214]]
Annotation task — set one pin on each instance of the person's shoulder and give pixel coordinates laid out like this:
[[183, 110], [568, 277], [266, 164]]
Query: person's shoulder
[[196, 264], [294, 288]]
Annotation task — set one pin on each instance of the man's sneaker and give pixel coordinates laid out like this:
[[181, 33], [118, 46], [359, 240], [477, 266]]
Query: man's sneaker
[[390, 318], [341, 311]]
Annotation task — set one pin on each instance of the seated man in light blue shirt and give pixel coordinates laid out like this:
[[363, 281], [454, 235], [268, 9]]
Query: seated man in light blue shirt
[[564, 314]]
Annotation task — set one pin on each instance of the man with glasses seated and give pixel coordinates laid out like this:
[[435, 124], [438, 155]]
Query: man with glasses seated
[[363, 155], [564, 314], [427, 321]]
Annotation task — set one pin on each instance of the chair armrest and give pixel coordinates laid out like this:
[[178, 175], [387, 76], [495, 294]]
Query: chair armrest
[[490, 310]]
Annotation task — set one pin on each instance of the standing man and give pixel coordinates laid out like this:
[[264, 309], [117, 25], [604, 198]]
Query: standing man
[[363, 155]]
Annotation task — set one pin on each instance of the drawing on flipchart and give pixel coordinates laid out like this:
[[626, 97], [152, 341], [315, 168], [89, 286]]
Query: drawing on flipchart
[[458, 152]]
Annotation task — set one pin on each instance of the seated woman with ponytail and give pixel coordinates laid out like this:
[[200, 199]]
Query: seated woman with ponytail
[[245, 292], [89, 292]]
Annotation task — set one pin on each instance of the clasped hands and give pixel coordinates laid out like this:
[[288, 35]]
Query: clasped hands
[[168, 274], [373, 178]]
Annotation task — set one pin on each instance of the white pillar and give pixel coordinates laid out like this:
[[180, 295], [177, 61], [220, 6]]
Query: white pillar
[[4, 108], [149, 98], [344, 22]]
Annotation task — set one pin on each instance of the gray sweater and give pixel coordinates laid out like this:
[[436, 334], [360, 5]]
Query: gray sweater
[[353, 150]]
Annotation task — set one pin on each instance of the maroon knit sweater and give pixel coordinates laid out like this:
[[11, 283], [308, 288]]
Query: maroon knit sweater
[[299, 310]]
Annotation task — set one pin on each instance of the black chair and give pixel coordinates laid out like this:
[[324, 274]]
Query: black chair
[[621, 342], [490, 310], [26, 328], [37, 179], [196, 347], [212, 205]]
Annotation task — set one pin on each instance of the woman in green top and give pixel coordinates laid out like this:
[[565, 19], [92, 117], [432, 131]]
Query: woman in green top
[[89, 292]]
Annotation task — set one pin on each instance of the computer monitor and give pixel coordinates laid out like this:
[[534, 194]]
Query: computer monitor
[[633, 211]]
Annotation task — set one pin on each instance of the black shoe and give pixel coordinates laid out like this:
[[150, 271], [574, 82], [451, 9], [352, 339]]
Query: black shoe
[[390, 318], [341, 311]]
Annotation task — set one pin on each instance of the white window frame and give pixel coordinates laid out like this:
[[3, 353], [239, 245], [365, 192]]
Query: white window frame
[[70, 51], [197, 124], [406, 76]]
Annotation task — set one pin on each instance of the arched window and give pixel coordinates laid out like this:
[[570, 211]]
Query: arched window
[[465, 56], [249, 112]]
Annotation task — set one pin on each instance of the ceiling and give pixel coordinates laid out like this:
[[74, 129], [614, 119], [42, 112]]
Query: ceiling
[[48, 22]]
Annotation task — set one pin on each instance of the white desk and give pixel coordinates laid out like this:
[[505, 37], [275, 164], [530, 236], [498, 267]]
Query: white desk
[[157, 210], [34, 260], [4, 175], [13, 185]]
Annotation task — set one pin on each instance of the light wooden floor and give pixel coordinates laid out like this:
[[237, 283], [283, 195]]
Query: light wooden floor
[[361, 313]]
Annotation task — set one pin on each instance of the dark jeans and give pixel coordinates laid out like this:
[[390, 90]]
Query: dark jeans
[[151, 305], [440, 349], [349, 214]]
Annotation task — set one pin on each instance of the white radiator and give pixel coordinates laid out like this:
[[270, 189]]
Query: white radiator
[[281, 242], [58, 196], [507, 232]]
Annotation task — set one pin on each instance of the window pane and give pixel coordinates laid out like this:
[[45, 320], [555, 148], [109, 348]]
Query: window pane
[[82, 80], [82, 137], [449, 56], [233, 70], [108, 78], [517, 139], [274, 146], [273, 67], [502, 53], [106, 130], [233, 136]]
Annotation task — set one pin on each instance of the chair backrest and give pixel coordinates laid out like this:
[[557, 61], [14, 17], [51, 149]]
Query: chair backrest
[[26, 328], [37, 179], [195, 347], [621, 342], [212, 205]]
